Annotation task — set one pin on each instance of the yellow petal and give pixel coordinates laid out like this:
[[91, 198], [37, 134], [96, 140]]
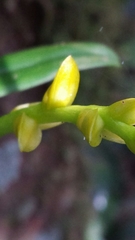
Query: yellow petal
[[49, 125], [28, 133], [63, 89], [25, 105], [91, 125], [123, 111], [112, 137]]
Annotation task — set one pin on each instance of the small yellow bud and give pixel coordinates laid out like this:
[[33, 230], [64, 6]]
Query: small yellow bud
[[91, 125], [28, 133], [123, 111], [63, 89]]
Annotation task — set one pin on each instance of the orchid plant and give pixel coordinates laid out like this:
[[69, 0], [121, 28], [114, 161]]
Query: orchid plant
[[115, 122]]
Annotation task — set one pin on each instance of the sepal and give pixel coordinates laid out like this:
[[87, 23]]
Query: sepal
[[91, 125], [28, 133], [63, 89], [123, 111]]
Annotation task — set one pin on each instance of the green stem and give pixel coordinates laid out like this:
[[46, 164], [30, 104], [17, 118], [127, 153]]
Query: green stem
[[123, 130], [42, 115]]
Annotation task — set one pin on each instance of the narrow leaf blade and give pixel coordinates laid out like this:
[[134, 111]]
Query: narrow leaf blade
[[26, 69]]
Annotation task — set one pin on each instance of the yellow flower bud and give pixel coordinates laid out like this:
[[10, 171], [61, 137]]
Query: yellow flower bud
[[63, 89], [28, 133], [91, 125], [123, 111]]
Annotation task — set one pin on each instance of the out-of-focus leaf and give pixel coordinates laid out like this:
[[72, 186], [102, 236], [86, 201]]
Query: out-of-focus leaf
[[128, 53], [30, 68]]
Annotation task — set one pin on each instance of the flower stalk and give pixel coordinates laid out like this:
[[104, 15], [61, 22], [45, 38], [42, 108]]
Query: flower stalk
[[114, 123]]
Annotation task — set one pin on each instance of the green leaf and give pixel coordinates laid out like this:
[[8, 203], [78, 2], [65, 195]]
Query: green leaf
[[30, 68]]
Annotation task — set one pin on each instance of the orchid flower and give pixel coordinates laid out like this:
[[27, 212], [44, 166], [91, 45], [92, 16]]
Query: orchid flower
[[114, 123], [61, 93]]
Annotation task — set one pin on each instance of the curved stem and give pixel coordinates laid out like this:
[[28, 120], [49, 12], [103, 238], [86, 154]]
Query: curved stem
[[123, 130], [42, 115]]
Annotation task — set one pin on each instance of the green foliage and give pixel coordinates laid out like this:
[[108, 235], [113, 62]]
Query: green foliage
[[26, 69]]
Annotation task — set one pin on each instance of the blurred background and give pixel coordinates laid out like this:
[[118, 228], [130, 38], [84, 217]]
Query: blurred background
[[66, 190]]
